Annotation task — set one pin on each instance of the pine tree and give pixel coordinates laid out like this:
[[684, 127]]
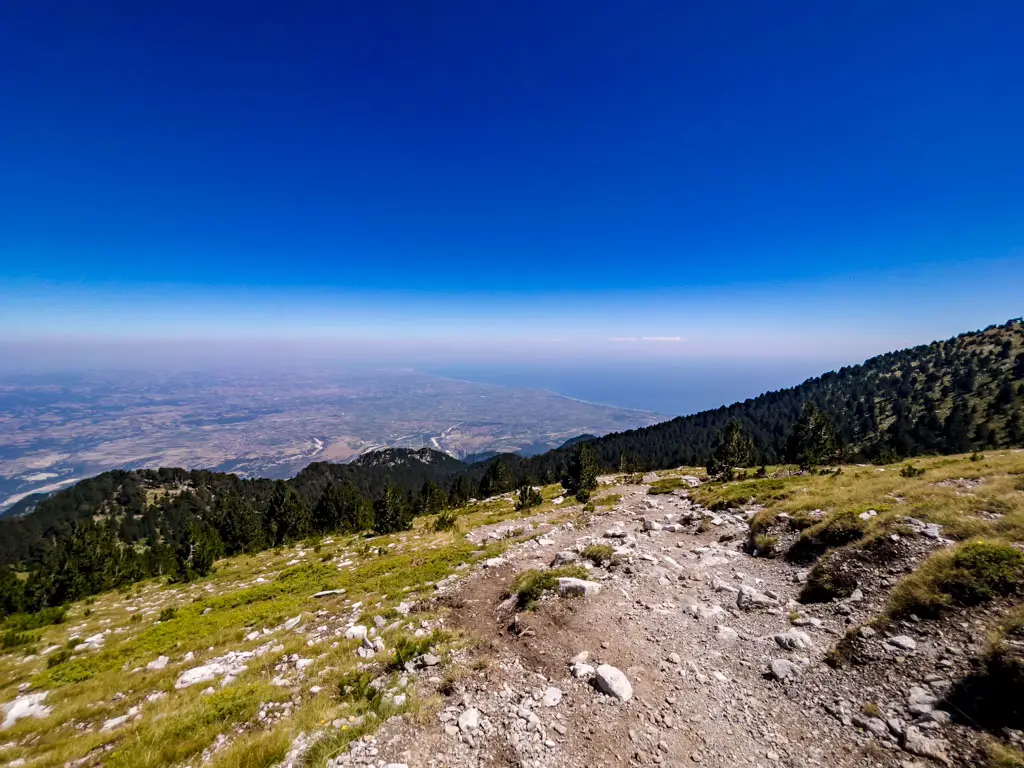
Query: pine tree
[[458, 493], [432, 499], [497, 479], [581, 474], [393, 512], [342, 508], [288, 517], [812, 441], [734, 449], [197, 552], [957, 429], [527, 496]]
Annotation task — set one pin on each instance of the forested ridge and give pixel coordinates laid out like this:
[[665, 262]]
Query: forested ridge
[[953, 396]]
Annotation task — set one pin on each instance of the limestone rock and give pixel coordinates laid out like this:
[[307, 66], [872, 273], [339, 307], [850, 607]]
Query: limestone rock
[[906, 642], [27, 705], [469, 720], [569, 586], [203, 674], [916, 743], [356, 632], [613, 682], [784, 669], [748, 599], [552, 697], [793, 640]]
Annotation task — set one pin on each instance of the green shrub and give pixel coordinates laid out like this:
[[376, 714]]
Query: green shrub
[[764, 545], [58, 658], [408, 648], [355, 685], [527, 496], [530, 585], [41, 618], [168, 613], [599, 554], [971, 574], [583, 495], [909, 470], [14, 639], [446, 521], [983, 571]]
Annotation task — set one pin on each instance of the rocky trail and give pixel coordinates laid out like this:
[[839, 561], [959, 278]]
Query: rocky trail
[[686, 650]]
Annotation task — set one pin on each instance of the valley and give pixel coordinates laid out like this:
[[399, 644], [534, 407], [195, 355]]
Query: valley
[[55, 430]]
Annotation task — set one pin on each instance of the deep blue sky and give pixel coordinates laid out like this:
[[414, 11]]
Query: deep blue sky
[[770, 178]]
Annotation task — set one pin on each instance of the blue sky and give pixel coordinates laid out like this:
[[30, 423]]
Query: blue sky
[[524, 180]]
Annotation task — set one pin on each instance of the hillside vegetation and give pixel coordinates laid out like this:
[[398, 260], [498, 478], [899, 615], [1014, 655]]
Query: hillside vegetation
[[953, 396], [963, 394], [278, 634]]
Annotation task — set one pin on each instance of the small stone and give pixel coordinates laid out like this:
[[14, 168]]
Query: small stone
[[469, 720], [569, 586], [916, 743], [552, 696], [613, 682], [793, 640], [565, 557], [784, 669], [905, 642], [357, 632]]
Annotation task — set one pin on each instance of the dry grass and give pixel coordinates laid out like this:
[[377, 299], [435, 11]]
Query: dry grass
[[211, 617]]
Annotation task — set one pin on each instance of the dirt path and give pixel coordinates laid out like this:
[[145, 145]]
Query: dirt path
[[667, 615]]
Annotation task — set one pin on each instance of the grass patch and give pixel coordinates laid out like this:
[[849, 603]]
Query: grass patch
[[764, 545], [1003, 756], [189, 728], [608, 500], [765, 490], [531, 585], [970, 574], [825, 584], [599, 554], [261, 749], [666, 485], [837, 530]]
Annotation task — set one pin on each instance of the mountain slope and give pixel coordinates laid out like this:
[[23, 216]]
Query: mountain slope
[[953, 396], [159, 504], [959, 395]]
